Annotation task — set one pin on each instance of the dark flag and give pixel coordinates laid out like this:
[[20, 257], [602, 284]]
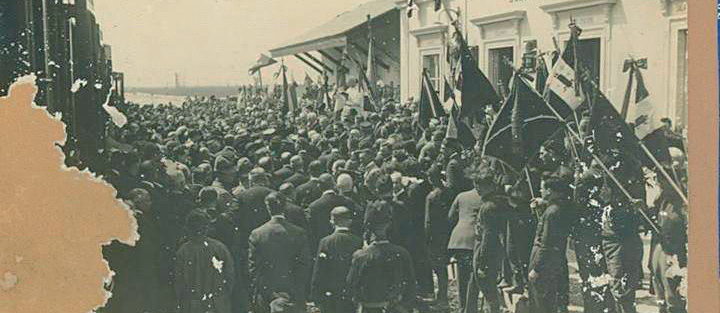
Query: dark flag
[[563, 89], [523, 124], [438, 5], [458, 130], [429, 106], [262, 61], [477, 91]]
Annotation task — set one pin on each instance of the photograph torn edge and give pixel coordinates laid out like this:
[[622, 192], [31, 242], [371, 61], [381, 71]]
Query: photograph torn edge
[[9, 280]]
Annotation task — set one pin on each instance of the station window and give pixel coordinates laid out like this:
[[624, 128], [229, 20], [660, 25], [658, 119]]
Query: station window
[[431, 63], [499, 73]]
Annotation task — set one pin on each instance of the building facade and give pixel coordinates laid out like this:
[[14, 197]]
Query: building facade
[[613, 31]]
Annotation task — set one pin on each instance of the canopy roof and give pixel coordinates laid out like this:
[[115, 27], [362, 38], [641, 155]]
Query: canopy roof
[[333, 33]]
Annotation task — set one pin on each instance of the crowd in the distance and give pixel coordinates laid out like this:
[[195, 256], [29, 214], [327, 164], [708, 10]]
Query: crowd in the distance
[[242, 208]]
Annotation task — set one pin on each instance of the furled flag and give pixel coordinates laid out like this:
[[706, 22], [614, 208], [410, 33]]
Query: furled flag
[[262, 61], [368, 78], [541, 75], [429, 106], [293, 98], [563, 89], [285, 97], [523, 124], [477, 91]]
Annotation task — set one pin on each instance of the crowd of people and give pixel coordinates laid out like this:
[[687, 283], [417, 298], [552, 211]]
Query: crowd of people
[[242, 207]]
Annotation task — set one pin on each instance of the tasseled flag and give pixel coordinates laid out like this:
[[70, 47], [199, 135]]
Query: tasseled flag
[[262, 61], [563, 86], [523, 124]]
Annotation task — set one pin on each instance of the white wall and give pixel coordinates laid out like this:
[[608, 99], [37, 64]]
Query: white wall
[[627, 28]]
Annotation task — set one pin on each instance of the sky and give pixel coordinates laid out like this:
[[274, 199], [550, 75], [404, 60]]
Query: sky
[[207, 42]]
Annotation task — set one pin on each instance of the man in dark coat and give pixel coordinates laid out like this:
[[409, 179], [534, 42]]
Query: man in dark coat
[[298, 177], [252, 200], [311, 190], [400, 219], [547, 258], [204, 270], [489, 225], [279, 259], [380, 278], [332, 264], [318, 214], [437, 232], [294, 213]]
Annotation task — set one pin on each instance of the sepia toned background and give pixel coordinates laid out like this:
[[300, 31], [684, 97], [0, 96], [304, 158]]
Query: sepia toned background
[[83, 291]]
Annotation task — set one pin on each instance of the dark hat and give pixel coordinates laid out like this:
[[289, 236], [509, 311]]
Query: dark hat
[[378, 217], [197, 220], [223, 165]]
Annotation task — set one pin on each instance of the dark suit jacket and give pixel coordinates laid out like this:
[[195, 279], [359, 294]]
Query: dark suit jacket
[[279, 260], [297, 179], [332, 263], [381, 272], [553, 229], [252, 201], [308, 192], [318, 215], [437, 226], [490, 224], [296, 215]]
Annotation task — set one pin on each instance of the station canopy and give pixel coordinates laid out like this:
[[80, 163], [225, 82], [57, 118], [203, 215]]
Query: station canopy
[[334, 33]]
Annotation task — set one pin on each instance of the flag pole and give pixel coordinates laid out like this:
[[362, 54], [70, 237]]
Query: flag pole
[[600, 162], [662, 170]]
